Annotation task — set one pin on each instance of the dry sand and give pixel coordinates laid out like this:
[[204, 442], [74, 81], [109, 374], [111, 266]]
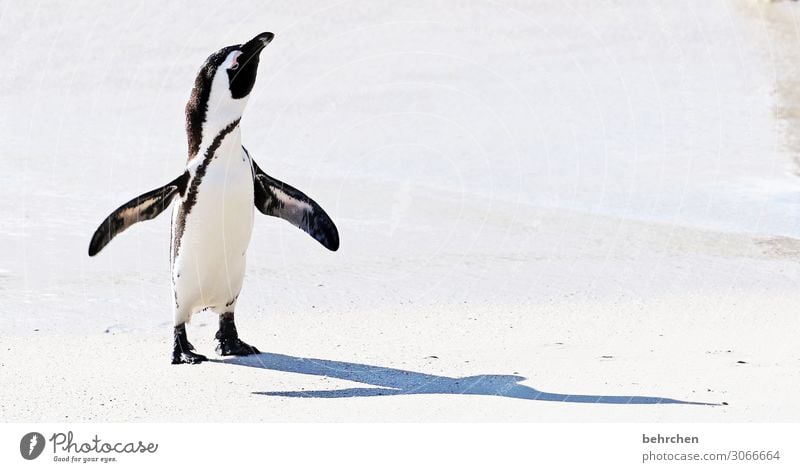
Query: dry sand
[[576, 211]]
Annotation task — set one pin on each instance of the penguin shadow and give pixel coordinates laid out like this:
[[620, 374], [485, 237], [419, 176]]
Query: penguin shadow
[[390, 381]]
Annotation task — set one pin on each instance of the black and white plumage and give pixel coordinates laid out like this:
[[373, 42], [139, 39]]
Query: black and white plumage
[[213, 219], [275, 198]]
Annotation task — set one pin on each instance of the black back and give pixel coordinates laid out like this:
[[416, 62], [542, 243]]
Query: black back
[[197, 106]]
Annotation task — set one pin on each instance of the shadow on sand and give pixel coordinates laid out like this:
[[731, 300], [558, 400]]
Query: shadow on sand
[[387, 381]]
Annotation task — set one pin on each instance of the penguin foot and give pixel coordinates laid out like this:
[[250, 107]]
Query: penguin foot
[[235, 347], [188, 357], [228, 342], [182, 349]]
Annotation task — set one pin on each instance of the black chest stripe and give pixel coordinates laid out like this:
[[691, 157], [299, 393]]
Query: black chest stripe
[[191, 194]]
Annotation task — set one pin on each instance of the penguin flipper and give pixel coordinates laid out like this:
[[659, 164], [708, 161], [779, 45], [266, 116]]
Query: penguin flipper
[[275, 198], [142, 208]]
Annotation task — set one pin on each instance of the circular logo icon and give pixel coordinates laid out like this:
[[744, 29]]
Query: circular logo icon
[[31, 445]]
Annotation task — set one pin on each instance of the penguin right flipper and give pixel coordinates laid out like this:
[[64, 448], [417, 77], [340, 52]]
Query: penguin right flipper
[[275, 198], [142, 208]]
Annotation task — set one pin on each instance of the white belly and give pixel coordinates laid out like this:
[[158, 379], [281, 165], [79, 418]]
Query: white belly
[[208, 269]]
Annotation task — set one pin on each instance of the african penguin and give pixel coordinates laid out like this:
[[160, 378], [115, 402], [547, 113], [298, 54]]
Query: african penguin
[[213, 218]]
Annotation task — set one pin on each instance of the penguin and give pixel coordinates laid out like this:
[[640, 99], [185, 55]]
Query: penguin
[[215, 197]]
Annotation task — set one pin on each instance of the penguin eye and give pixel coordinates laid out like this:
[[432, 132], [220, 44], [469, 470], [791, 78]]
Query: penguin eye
[[235, 60]]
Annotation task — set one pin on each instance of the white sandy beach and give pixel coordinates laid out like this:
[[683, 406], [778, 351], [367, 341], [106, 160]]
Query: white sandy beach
[[549, 211]]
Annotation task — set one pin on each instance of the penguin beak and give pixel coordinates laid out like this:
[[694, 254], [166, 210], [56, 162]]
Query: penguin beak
[[252, 49], [256, 44], [265, 38]]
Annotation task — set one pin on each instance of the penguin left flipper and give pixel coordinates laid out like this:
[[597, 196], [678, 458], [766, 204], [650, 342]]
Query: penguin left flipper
[[275, 198], [142, 208]]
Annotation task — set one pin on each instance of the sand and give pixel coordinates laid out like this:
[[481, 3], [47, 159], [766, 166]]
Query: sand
[[573, 211]]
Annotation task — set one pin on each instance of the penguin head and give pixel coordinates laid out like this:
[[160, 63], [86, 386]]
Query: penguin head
[[222, 86], [241, 64]]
